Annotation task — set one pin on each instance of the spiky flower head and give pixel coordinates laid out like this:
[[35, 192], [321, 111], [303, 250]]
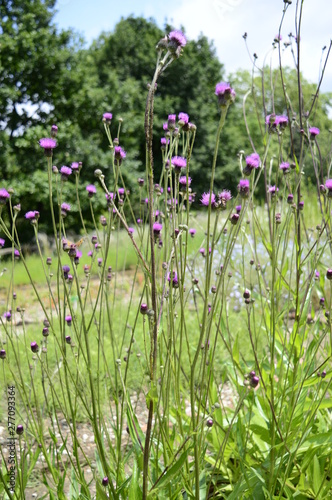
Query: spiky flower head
[[178, 163], [4, 196], [65, 173], [284, 167], [176, 41], [225, 93], [243, 188], [91, 189], [119, 154], [107, 118], [48, 145], [205, 199], [313, 131]]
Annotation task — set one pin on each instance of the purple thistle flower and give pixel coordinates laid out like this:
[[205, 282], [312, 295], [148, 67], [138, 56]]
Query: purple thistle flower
[[2, 354], [119, 154], [65, 270], [2, 242], [225, 93], [329, 274], [75, 166], [48, 145], [68, 319], [284, 167], [205, 200], [157, 227], [290, 199], [90, 253], [32, 216], [4, 196], [183, 180], [164, 142], [276, 121], [224, 197], [34, 347], [273, 190], [234, 219], [174, 278], [243, 188], [105, 481], [176, 40], [65, 208], [313, 131], [183, 118], [68, 339], [178, 162], [202, 251], [107, 117], [91, 189], [252, 162], [328, 186], [184, 121], [144, 308], [16, 254], [171, 122], [282, 121], [7, 315], [65, 172], [192, 232], [238, 208], [165, 126]]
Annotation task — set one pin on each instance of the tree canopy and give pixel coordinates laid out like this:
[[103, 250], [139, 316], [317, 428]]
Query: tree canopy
[[47, 76]]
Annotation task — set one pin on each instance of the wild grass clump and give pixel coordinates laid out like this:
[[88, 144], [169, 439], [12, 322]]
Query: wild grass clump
[[197, 348]]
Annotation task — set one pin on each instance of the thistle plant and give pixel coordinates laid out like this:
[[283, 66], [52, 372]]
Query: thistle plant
[[203, 371]]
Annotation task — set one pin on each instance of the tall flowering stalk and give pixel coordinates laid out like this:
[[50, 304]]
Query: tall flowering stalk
[[173, 45]]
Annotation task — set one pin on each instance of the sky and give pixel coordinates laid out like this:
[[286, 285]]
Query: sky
[[224, 22]]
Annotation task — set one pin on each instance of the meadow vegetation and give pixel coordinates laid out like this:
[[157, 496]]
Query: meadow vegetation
[[142, 322]]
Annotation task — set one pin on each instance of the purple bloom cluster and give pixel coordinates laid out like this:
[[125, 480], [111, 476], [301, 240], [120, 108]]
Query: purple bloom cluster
[[4, 196], [225, 93], [91, 189], [48, 145], [65, 172], [313, 131], [252, 162], [107, 118], [119, 154], [243, 188], [178, 163], [176, 41], [32, 216], [219, 201], [276, 122]]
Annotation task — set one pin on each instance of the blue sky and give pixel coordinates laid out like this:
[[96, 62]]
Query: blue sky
[[223, 21]]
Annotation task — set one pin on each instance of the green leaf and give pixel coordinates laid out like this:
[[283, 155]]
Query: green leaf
[[152, 395], [235, 351], [101, 494], [134, 489], [135, 430], [170, 473], [316, 474]]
